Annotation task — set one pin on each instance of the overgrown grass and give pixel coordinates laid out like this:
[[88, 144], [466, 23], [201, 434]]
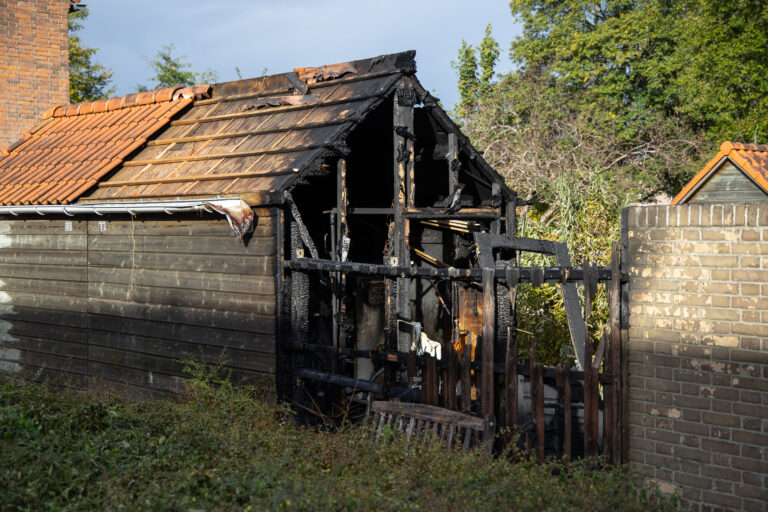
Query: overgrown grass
[[225, 448]]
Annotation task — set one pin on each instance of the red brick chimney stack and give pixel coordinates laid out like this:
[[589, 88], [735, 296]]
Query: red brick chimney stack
[[34, 63]]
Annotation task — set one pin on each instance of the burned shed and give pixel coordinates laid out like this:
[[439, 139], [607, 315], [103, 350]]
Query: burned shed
[[286, 221]]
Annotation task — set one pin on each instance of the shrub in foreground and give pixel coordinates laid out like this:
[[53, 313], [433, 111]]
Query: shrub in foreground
[[224, 448]]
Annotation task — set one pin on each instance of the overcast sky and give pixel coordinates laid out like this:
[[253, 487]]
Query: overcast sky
[[280, 35]]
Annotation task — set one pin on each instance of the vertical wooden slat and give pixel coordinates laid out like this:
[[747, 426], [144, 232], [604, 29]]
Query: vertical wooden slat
[[466, 381], [489, 319], [564, 389], [410, 365], [510, 375], [613, 361], [449, 384], [537, 399], [430, 381]]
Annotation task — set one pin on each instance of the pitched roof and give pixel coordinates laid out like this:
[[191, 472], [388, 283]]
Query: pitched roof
[[76, 145], [750, 158], [256, 137], [250, 138]]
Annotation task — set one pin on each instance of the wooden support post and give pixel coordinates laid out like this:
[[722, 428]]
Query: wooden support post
[[510, 375], [410, 365], [510, 216], [402, 121], [450, 379], [489, 327], [466, 378], [429, 385], [537, 401], [564, 390], [453, 162]]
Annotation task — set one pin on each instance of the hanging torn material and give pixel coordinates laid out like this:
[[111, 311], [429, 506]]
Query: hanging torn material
[[239, 215], [319, 74], [278, 101]]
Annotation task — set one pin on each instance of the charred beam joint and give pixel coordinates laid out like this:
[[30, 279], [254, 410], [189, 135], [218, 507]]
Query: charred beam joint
[[406, 97], [403, 131]]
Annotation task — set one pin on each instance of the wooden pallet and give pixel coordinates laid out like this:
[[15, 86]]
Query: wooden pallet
[[423, 424]]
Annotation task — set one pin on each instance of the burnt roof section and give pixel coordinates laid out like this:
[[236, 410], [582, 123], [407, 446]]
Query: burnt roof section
[[257, 137]]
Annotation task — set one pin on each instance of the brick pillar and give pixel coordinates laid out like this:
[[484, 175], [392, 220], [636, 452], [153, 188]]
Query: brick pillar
[[698, 352], [34, 63]]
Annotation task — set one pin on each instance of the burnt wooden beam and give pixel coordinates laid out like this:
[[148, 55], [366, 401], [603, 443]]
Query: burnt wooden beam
[[464, 213], [358, 384], [403, 157], [489, 328], [548, 274], [453, 162]]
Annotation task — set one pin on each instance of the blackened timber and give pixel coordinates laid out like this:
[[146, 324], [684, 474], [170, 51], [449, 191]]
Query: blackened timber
[[453, 162], [400, 358], [402, 124], [357, 384], [551, 274], [442, 213], [489, 328], [510, 376]]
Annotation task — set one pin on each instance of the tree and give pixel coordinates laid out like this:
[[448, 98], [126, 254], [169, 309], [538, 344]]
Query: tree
[[88, 80], [170, 70]]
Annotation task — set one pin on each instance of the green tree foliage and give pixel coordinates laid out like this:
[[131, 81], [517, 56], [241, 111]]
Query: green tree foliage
[[466, 67], [170, 70], [611, 102], [489, 55], [88, 80]]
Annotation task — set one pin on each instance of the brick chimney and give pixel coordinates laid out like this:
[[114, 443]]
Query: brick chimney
[[34, 63]]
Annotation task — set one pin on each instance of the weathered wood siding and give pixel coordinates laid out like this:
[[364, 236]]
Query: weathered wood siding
[[728, 185], [121, 305]]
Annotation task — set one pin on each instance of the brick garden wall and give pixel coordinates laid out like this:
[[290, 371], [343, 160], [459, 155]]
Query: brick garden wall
[[698, 351], [34, 63]]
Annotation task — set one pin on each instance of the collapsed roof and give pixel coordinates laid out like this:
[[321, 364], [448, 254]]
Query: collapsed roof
[[251, 138]]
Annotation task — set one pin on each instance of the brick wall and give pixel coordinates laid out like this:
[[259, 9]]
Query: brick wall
[[698, 351], [34, 63]]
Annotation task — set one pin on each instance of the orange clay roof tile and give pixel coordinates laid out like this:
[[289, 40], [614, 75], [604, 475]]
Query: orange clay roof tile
[[78, 144], [751, 158]]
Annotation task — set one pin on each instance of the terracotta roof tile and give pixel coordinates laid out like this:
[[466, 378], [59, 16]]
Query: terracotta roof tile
[[78, 144], [751, 158]]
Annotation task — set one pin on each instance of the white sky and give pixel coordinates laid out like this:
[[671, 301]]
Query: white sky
[[281, 35]]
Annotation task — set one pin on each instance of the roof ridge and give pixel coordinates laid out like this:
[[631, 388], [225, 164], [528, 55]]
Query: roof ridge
[[130, 100], [740, 146]]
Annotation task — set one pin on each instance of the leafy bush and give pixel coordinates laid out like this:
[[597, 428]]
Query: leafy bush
[[231, 448]]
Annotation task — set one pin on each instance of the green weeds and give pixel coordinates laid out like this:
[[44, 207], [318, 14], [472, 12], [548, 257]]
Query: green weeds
[[227, 448]]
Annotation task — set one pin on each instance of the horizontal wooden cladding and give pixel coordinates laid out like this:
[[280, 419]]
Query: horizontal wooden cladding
[[198, 245], [182, 297], [216, 338], [69, 288], [168, 357], [169, 226], [258, 285], [218, 319], [212, 263], [123, 305]]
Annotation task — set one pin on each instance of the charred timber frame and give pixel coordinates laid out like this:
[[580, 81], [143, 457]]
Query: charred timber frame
[[404, 190], [527, 274]]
